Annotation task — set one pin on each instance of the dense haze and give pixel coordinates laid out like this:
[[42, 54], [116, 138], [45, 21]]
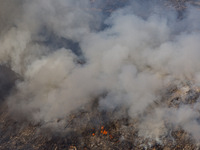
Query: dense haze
[[67, 54]]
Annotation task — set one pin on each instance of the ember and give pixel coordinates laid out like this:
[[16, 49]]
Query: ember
[[103, 131]]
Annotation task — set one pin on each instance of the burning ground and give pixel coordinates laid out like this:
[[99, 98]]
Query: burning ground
[[90, 128], [99, 74]]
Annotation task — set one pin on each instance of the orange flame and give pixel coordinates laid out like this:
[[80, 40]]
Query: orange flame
[[105, 132]]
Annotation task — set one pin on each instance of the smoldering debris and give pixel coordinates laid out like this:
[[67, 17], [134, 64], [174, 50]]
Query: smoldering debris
[[91, 128], [129, 77]]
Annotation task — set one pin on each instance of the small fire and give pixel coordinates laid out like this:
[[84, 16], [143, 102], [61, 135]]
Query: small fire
[[103, 131]]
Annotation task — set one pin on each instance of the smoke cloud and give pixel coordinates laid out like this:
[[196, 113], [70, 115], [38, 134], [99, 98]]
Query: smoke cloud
[[131, 54]]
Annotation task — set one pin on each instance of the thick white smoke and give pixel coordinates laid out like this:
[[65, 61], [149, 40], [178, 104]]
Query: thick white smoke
[[131, 60]]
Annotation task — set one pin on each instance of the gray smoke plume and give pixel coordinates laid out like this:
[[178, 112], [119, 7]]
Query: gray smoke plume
[[132, 55]]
